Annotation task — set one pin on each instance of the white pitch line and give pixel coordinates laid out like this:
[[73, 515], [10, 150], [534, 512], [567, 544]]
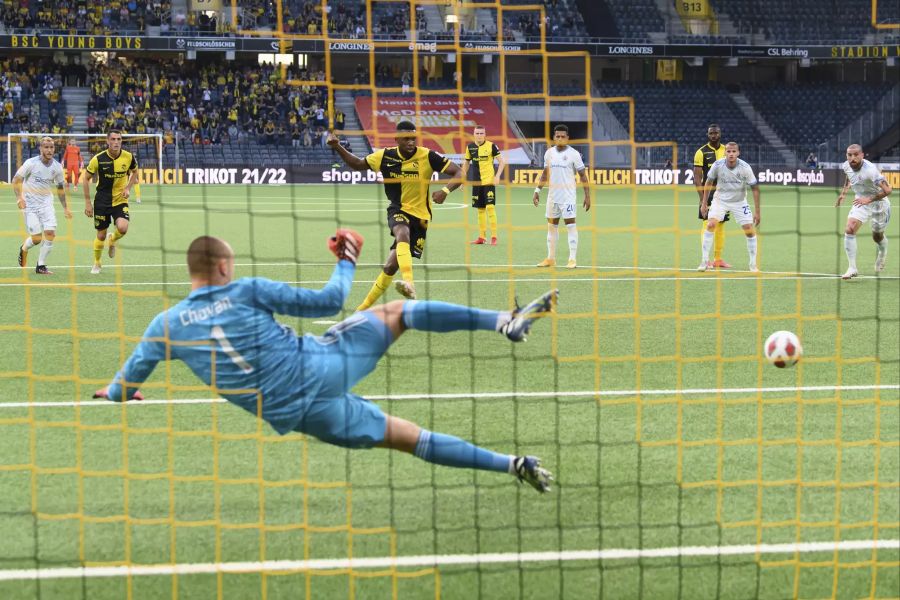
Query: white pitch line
[[362, 265], [445, 560], [702, 279], [490, 395]]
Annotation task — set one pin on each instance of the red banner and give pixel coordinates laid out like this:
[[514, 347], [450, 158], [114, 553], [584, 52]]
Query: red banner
[[444, 123]]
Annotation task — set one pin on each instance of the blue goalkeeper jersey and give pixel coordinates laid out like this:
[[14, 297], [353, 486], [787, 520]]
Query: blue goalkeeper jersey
[[228, 336]]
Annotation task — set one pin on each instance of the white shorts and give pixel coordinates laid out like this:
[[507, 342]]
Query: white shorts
[[879, 212], [38, 220], [740, 211], [560, 211]]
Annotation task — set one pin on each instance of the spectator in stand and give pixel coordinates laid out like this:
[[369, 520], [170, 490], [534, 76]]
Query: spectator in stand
[[812, 161]]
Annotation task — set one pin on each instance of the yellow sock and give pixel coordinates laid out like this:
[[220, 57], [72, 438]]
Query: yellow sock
[[404, 259], [482, 223], [492, 218], [137, 191], [98, 250], [115, 236], [378, 288], [719, 242]]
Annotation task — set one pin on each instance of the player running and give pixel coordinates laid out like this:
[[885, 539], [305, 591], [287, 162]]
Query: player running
[[33, 185], [227, 335], [871, 202], [116, 170], [407, 170]]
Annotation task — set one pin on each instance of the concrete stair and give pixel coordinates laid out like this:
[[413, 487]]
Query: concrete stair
[[76, 99], [774, 140], [343, 100]]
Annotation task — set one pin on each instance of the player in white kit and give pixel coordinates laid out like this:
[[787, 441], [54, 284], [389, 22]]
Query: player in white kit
[[560, 165], [33, 185], [732, 177], [871, 203]]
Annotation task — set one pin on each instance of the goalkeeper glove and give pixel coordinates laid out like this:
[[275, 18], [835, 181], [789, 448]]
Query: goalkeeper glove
[[102, 393], [346, 244]]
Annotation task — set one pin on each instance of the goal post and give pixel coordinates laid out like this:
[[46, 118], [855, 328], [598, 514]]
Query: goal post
[[147, 148]]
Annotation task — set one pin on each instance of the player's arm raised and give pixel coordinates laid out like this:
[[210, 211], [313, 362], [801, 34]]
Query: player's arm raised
[[354, 162], [544, 176], [149, 351], [843, 193]]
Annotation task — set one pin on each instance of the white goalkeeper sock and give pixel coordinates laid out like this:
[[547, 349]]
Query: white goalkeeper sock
[[28, 245], [751, 249], [708, 237], [573, 240], [552, 237], [850, 249], [46, 247]]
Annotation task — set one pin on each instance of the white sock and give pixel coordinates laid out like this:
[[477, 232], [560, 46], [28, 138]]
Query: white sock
[[46, 247], [882, 246], [751, 249], [850, 248], [573, 240], [29, 244], [552, 236], [708, 237]]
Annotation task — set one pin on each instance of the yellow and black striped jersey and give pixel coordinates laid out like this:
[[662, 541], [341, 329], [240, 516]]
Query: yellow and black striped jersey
[[406, 180], [483, 156], [112, 176]]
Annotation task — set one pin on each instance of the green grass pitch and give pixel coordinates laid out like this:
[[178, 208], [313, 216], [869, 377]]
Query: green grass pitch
[[749, 454]]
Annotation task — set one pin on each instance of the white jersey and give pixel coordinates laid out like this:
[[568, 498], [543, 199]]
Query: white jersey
[[731, 184], [866, 180], [563, 166], [39, 181]]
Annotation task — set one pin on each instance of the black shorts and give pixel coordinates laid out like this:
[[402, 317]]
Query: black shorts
[[482, 195], [418, 229], [104, 216]]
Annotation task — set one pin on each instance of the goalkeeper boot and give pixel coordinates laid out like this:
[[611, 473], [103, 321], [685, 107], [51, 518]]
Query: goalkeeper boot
[[405, 289], [529, 470], [23, 256], [520, 324]]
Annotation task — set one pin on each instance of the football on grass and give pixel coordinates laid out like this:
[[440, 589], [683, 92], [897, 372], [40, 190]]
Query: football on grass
[[783, 349]]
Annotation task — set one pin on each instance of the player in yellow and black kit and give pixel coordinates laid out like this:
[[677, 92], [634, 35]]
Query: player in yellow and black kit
[[484, 182], [704, 158], [407, 170], [116, 172]]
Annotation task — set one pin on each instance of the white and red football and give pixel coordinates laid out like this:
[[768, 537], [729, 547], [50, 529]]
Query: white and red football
[[783, 349]]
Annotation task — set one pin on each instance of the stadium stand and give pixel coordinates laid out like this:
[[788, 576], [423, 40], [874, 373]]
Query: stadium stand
[[32, 97], [81, 17], [831, 106], [808, 21]]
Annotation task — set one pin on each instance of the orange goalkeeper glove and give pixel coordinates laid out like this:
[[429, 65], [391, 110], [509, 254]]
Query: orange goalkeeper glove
[[346, 244]]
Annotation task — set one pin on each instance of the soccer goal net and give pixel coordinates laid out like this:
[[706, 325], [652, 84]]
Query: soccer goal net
[[685, 465]]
